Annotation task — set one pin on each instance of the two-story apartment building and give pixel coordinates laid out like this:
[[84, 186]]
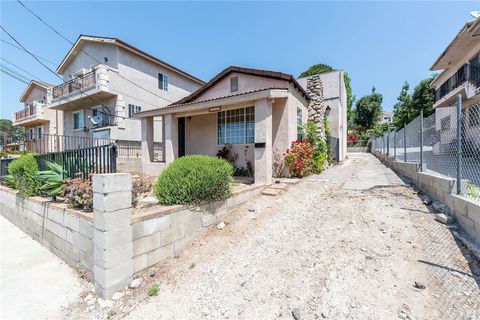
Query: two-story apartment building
[[39, 121], [107, 81], [460, 75]]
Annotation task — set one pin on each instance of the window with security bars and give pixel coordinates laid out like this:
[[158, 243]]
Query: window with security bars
[[236, 126]]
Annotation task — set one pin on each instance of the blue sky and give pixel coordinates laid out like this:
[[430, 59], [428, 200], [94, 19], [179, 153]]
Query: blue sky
[[379, 44]]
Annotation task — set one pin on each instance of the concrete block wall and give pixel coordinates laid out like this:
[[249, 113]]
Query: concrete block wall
[[67, 233], [112, 229], [465, 211]]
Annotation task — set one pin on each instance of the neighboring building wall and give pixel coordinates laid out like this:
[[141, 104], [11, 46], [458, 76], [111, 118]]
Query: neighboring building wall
[[143, 73], [334, 96]]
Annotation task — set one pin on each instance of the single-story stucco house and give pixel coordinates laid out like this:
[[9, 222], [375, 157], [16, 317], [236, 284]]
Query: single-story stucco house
[[258, 112]]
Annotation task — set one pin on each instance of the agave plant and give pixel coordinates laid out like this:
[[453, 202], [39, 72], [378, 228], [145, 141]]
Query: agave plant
[[52, 180], [9, 181]]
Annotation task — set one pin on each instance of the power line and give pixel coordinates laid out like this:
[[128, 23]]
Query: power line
[[14, 72], [86, 53], [13, 64], [13, 76], [11, 44], [54, 73]]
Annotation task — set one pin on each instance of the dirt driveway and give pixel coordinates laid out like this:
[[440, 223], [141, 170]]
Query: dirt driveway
[[347, 244]]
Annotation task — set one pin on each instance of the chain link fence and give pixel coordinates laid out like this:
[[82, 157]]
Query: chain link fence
[[442, 143]]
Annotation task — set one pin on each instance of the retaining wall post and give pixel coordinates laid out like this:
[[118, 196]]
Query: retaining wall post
[[112, 232]]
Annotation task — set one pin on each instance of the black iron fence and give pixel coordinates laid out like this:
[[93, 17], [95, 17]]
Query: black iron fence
[[83, 162]]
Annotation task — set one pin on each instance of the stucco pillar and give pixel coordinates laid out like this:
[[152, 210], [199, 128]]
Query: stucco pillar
[[263, 135], [171, 137], [147, 140]]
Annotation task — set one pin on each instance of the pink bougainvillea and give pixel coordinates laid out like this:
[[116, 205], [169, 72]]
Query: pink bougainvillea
[[299, 159]]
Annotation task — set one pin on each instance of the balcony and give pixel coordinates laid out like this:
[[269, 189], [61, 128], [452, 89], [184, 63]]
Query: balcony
[[33, 114], [465, 81], [83, 91]]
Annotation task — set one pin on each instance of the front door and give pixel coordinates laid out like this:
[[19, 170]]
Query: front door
[[181, 137]]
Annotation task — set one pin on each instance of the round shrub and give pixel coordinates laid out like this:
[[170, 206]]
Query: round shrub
[[24, 175], [194, 180]]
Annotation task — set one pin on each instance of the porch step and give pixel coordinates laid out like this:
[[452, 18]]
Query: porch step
[[271, 191]]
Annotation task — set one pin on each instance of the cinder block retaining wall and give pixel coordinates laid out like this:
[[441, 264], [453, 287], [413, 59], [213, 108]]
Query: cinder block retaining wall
[[112, 244], [465, 211], [163, 232], [67, 233]]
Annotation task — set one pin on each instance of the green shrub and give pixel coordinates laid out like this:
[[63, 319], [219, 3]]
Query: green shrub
[[52, 180], [24, 172], [194, 180], [153, 290], [320, 147]]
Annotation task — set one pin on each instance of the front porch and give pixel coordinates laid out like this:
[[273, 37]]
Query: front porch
[[254, 125]]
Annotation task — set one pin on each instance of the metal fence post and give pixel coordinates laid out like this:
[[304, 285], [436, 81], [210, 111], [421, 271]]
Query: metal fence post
[[388, 141], [421, 141], [394, 145], [459, 144], [405, 143]]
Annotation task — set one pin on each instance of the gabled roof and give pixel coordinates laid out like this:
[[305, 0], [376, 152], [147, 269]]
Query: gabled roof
[[31, 85], [249, 71], [464, 41], [82, 39]]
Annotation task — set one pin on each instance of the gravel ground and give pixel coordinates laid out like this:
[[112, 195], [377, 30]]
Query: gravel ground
[[347, 244]]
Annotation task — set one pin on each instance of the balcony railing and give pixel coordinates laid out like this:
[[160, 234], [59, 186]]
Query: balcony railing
[[30, 110], [79, 83], [466, 73]]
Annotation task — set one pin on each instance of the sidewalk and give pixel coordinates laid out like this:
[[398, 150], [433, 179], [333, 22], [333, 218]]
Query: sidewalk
[[34, 283]]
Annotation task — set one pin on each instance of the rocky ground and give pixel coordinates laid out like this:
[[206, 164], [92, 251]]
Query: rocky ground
[[352, 243]]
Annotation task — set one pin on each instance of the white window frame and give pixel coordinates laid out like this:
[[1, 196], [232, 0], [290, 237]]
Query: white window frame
[[132, 109], [81, 120], [40, 131], [235, 78], [228, 113]]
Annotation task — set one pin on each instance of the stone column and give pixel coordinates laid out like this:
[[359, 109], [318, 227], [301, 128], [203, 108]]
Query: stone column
[[171, 137], [112, 232], [147, 141], [263, 134]]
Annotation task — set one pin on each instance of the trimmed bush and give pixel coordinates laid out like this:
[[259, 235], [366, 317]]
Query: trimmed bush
[[194, 180], [24, 175], [299, 159]]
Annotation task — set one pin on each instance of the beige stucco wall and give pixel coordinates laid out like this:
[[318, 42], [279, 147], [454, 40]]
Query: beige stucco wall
[[245, 83], [141, 72]]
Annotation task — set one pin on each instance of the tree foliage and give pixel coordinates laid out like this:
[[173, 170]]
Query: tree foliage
[[409, 106], [8, 131], [368, 110], [316, 69]]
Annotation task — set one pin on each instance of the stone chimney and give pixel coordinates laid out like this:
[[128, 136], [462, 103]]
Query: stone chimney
[[316, 108]]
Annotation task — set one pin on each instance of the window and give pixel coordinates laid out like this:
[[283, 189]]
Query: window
[[132, 109], [32, 133], [233, 84], [299, 124], [236, 126], [40, 131], [78, 120], [445, 123], [94, 112], [162, 82], [474, 115]]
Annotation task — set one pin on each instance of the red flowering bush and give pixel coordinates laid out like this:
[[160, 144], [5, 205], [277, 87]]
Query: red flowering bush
[[353, 137], [299, 159]]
